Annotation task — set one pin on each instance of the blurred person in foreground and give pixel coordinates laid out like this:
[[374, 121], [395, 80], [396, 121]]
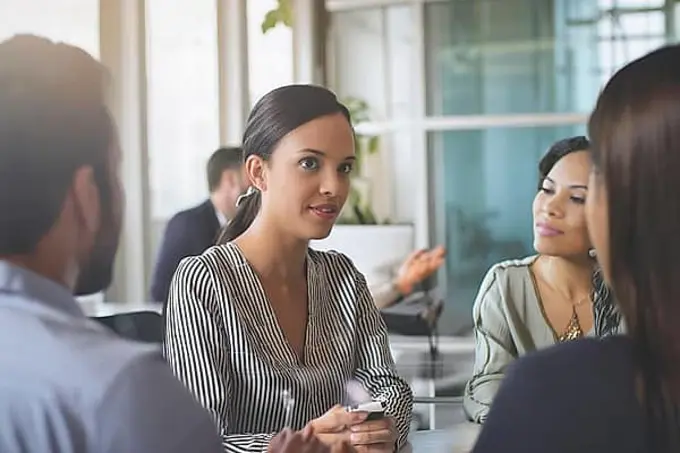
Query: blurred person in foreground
[[67, 384], [620, 394]]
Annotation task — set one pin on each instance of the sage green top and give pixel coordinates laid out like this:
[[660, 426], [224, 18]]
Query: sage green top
[[509, 322]]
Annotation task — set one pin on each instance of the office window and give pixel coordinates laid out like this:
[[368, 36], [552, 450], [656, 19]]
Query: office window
[[74, 22], [491, 60], [530, 56], [372, 54], [270, 55], [183, 101], [490, 57]]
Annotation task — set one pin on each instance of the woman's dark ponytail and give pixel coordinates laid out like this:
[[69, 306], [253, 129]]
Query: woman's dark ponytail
[[247, 210]]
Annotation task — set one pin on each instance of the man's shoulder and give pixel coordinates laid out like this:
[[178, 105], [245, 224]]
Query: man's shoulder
[[98, 389], [194, 212], [189, 219], [159, 413], [63, 375], [69, 356]]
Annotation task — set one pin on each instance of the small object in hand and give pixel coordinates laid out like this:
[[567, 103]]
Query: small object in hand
[[375, 409]]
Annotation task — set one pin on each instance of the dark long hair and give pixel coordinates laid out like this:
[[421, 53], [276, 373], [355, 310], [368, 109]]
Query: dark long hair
[[275, 115], [635, 130]]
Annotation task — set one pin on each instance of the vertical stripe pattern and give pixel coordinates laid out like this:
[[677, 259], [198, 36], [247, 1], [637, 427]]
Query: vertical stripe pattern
[[224, 343], [608, 319]]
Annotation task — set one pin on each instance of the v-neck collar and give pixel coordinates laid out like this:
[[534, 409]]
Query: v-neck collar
[[541, 307], [267, 323]]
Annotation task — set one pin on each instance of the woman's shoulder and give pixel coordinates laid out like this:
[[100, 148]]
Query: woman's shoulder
[[501, 285], [218, 258], [592, 380], [333, 262], [517, 266], [507, 273], [598, 371], [611, 356]]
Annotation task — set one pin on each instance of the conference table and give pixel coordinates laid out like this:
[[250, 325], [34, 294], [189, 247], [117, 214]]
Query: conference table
[[456, 439]]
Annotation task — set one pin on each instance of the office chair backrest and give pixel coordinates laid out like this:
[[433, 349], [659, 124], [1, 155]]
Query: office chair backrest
[[144, 326]]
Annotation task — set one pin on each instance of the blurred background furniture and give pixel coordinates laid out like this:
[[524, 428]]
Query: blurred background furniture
[[144, 326]]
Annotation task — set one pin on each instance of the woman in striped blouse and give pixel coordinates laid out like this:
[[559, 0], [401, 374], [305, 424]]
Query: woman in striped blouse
[[263, 315]]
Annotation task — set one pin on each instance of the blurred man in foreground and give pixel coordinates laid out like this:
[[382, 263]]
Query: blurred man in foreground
[[67, 384]]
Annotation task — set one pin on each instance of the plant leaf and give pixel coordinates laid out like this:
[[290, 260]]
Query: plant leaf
[[271, 20], [286, 9]]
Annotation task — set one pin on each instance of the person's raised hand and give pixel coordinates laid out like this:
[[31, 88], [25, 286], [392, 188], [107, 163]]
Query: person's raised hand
[[417, 267]]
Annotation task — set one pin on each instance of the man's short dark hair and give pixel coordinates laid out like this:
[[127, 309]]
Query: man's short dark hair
[[53, 121], [225, 158]]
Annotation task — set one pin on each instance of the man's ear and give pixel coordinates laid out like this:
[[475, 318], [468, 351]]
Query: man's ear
[[255, 169], [86, 198]]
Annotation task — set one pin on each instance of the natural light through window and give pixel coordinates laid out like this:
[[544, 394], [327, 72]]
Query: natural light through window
[[74, 22], [183, 101], [270, 55]]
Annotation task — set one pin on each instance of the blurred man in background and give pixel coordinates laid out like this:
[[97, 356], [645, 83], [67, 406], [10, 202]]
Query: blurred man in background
[[192, 231]]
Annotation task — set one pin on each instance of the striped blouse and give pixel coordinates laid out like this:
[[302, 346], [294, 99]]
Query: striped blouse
[[224, 343]]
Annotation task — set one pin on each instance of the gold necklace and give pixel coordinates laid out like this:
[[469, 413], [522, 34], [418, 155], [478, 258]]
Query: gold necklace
[[573, 330]]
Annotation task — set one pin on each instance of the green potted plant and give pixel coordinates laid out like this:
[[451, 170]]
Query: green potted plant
[[358, 210]]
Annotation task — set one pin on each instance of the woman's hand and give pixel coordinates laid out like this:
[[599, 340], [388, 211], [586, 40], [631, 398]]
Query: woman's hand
[[418, 266], [338, 426], [343, 447], [374, 436], [288, 441], [332, 428]]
